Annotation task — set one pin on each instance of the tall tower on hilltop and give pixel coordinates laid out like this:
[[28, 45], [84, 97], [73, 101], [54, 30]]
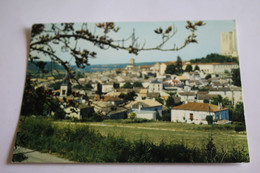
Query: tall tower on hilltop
[[228, 44], [132, 62]]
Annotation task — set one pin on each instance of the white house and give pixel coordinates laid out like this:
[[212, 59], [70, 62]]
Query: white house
[[215, 67], [155, 86], [233, 94], [187, 96], [145, 108], [197, 113]]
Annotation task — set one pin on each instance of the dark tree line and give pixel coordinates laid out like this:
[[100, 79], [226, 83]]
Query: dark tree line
[[214, 58]]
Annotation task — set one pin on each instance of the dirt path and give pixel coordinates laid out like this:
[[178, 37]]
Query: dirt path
[[37, 157]]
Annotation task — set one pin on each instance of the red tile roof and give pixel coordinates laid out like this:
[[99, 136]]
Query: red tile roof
[[205, 107]]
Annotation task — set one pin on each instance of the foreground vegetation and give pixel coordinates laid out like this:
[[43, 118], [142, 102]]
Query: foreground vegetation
[[84, 144]]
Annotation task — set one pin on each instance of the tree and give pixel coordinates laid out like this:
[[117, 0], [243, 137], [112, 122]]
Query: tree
[[127, 85], [170, 102], [116, 85], [197, 68], [170, 69], [140, 75], [79, 75], [188, 68], [178, 65], [237, 114], [236, 77], [39, 102], [209, 119], [158, 117], [56, 85], [208, 76], [225, 101], [130, 96], [88, 86], [99, 89], [160, 100], [118, 72], [214, 58], [138, 84], [166, 115]]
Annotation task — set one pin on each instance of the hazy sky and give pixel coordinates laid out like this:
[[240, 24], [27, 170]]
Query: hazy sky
[[208, 38]]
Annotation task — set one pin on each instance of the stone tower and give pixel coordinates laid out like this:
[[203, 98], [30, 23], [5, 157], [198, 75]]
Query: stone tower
[[228, 44], [132, 62], [65, 88]]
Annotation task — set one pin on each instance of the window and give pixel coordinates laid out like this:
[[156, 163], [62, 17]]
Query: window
[[63, 92], [191, 116]]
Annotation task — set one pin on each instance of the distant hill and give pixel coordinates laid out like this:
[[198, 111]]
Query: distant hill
[[106, 67], [49, 66], [32, 68]]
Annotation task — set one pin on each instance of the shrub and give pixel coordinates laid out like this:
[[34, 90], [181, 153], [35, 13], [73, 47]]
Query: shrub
[[166, 115], [211, 150], [19, 157], [209, 119], [239, 128], [132, 115], [158, 117]]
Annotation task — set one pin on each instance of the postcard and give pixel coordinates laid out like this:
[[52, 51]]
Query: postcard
[[132, 92]]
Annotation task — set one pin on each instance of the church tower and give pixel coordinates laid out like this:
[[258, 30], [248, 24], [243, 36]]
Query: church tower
[[65, 88]]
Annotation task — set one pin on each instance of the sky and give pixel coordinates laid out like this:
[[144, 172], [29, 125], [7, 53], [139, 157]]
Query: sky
[[208, 37]]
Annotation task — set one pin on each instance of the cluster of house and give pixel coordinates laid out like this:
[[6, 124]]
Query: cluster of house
[[106, 98]]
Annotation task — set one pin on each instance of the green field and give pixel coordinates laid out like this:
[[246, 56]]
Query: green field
[[129, 141], [191, 135]]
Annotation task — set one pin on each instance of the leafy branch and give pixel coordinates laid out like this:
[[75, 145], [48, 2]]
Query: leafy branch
[[66, 37]]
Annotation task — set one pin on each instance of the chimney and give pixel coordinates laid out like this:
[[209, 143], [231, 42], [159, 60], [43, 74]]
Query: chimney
[[139, 107], [219, 106]]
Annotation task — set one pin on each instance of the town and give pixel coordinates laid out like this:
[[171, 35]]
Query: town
[[150, 91], [199, 91]]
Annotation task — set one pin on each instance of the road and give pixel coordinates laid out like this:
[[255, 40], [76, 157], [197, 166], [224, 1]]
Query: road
[[37, 157]]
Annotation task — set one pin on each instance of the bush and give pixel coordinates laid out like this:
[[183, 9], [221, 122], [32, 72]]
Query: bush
[[132, 115], [239, 128], [95, 117], [19, 157], [209, 119], [166, 115], [158, 117]]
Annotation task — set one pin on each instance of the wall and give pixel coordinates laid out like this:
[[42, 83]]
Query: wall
[[198, 116], [150, 115]]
